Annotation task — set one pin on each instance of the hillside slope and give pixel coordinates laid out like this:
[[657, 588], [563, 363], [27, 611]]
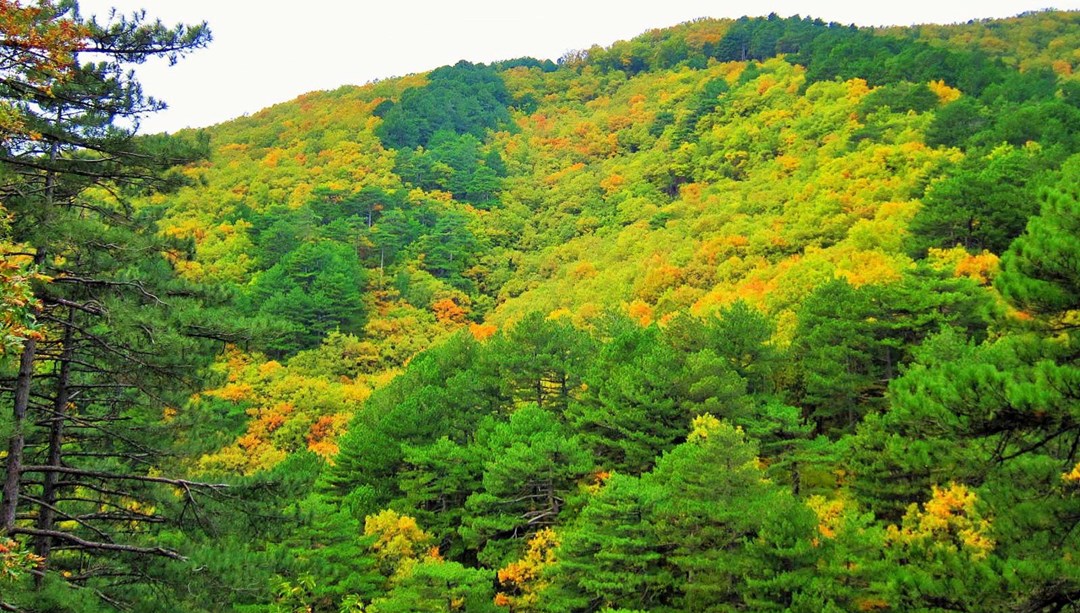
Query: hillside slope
[[756, 314], [654, 177]]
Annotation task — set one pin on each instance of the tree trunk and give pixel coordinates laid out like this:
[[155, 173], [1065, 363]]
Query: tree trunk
[[10, 500], [46, 515], [12, 482], [796, 479]]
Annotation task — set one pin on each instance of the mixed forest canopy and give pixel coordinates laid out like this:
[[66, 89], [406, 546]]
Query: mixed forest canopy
[[766, 314]]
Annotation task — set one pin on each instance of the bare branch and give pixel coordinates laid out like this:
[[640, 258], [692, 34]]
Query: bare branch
[[85, 544], [92, 308], [64, 515], [183, 483], [86, 281]]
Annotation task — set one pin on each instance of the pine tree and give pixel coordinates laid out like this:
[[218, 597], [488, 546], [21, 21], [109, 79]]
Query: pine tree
[[534, 465], [1040, 272], [630, 411], [611, 555], [119, 331], [999, 416], [436, 480], [713, 500]]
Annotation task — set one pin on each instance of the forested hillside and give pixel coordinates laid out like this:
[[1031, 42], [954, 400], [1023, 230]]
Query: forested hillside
[[757, 314]]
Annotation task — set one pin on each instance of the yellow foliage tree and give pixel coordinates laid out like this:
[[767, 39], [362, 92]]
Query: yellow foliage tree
[[522, 580], [702, 427], [1072, 477], [948, 523], [399, 542], [944, 93]]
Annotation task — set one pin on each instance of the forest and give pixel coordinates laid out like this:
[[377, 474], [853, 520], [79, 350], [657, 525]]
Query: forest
[[763, 314]]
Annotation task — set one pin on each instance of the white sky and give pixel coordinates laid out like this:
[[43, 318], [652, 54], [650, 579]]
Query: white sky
[[267, 51]]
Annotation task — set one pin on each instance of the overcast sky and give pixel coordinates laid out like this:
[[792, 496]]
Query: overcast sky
[[265, 52]]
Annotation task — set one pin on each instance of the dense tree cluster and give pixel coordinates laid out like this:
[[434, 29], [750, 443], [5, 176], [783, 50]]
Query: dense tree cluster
[[462, 99], [766, 314]]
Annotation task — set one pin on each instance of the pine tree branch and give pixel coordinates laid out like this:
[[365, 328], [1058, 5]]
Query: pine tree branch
[[85, 544], [104, 282], [92, 308], [184, 483], [88, 423], [64, 515]]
